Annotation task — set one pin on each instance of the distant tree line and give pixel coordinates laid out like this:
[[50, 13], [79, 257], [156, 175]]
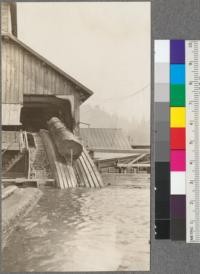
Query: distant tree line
[[138, 132]]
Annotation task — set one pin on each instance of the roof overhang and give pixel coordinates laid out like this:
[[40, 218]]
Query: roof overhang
[[84, 92]]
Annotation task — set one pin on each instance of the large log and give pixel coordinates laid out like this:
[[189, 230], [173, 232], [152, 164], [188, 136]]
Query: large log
[[67, 143]]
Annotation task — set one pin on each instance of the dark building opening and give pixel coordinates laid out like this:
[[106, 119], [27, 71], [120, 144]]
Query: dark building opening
[[37, 110]]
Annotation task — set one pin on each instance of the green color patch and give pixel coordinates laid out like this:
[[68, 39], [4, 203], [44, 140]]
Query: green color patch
[[177, 95]]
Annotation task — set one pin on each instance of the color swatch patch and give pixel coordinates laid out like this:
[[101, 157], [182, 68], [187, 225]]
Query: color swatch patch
[[177, 140], [177, 160], [177, 117], [177, 95]]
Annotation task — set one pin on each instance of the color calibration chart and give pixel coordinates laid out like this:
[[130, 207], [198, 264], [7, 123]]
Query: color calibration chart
[[177, 139]]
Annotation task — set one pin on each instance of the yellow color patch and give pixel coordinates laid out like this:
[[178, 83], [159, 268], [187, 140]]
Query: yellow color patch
[[177, 117]]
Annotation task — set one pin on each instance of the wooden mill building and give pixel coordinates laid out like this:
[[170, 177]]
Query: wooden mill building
[[33, 91]]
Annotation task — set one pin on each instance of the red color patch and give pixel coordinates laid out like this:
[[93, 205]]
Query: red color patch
[[177, 138]]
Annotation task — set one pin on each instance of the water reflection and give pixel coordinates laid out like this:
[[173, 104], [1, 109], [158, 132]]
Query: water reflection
[[83, 230]]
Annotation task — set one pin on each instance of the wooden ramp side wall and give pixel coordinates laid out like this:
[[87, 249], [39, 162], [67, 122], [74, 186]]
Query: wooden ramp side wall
[[86, 171], [82, 173]]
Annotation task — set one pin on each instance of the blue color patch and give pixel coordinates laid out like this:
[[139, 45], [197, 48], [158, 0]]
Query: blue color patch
[[177, 74]]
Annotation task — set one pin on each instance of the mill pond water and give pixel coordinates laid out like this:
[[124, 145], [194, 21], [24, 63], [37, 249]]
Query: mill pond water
[[83, 229]]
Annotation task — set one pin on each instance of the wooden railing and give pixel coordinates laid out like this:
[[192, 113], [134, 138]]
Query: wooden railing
[[27, 156]]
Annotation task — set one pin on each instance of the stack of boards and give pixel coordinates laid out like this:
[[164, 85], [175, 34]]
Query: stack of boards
[[176, 142]]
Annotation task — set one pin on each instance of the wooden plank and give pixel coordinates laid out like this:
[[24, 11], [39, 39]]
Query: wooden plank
[[16, 65], [36, 69], [53, 88], [4, 17], [68, 175], [61, 85], [70, 171], [66, 89], [4, 71], [73, 176], [12, 79], [87, 172], [134, 165], [94, 168], [64, 175], [50, 154], [29, 73], [57, 84], [41, 81], [137, 159], [82, 173], [45, 79], [49, 81], [90, 171], [32, 76], [25, 73], [21, 88], [77, 174], [59, 174], [8, 73], [36, 75]]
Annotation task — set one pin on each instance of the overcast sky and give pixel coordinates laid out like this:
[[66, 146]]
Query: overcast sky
[[105, 46]]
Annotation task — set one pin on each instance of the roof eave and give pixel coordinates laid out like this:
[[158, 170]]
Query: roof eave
[[80, 87]]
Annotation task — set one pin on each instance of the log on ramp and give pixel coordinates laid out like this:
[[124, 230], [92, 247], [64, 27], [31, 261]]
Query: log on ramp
[[63, 172], [83, 172]]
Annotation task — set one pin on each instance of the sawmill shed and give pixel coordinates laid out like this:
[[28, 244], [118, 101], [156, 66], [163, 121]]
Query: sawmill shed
[[34, 92], [106, 142], [34, 89]]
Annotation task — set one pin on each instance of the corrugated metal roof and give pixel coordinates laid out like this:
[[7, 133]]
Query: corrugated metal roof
[[105, 138], [11, 114]]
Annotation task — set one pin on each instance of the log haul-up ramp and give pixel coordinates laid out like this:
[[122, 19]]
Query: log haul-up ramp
[[86, 171], [81, 172]]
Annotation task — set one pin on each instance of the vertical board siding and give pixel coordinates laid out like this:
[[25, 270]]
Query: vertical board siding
[[23, 73], [8, 73], [41, 79], [5, 17], [13, 94], [4, 71], [32, 69]]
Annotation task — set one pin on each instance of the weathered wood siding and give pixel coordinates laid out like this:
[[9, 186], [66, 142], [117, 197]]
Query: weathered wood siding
[[24, 74], [5, 17]]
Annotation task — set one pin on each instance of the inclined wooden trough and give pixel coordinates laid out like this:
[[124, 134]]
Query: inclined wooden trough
[[69, 160]]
